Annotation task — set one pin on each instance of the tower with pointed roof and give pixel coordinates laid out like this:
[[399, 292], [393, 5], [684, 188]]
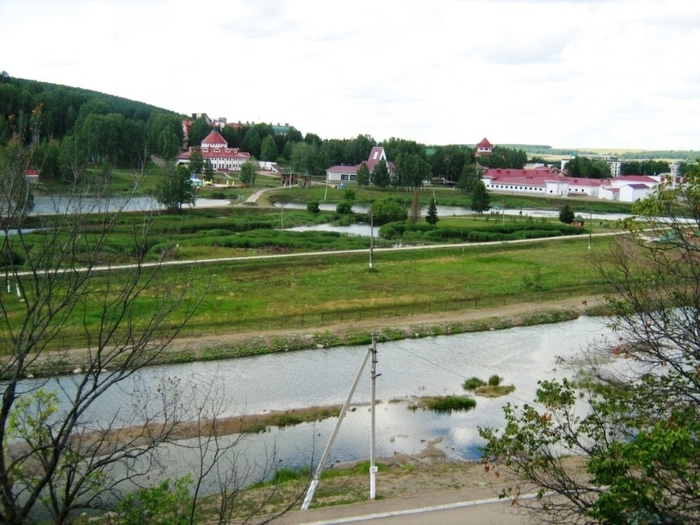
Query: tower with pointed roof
[[483, 148]]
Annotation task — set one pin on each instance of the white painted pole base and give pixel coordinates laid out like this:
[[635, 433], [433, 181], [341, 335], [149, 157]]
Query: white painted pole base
[[372, 482]]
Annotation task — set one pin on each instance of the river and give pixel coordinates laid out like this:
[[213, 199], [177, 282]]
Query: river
[[409, 368]]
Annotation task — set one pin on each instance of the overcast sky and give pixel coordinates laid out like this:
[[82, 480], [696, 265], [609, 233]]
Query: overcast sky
[[567, 73]]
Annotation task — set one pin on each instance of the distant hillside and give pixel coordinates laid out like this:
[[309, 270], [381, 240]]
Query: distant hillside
[[109, 130]]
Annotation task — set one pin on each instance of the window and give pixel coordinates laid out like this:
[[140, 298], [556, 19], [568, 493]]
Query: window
[[353, 177], [344, 177]]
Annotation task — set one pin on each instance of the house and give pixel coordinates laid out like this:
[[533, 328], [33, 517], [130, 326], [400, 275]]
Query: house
[[336, 174], [32, 176], [215, 149], [483, 148]]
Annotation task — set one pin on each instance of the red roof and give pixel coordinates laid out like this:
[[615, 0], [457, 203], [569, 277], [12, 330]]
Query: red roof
[[214, 139], [636, 178], [484, 143]]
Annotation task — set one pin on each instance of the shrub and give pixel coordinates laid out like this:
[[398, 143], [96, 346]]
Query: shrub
[[495, 380], [473, 383], [344, 208], [313, 207], [451, 403]]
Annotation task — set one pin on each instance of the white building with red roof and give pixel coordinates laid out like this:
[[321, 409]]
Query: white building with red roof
[[483, 148], [215, 149], [349, 173], [551, 183], [544, 182]]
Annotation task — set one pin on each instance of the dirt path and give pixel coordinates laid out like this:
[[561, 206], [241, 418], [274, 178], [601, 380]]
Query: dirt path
[[408, 324]]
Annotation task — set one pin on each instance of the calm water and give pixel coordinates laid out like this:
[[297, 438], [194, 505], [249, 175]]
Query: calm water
[[410, 368]]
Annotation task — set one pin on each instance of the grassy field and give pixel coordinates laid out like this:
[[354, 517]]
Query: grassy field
[[316, 291]]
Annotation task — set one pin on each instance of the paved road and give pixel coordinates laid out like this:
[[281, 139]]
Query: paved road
[[445, 509]]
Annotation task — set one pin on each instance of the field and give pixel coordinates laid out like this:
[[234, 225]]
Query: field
[[249, 275]]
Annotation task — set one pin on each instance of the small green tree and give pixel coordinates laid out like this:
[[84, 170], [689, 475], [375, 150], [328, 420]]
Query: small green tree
[[380, 175], [313, 207], [388, 210], [196, 161], [432, 216], [470, 176], [566, 215], [208, 170], [480, 198], [268, 149], [159, 505], [174, 188], [349, 194], [344, 208], [363, 175], [249, 171]]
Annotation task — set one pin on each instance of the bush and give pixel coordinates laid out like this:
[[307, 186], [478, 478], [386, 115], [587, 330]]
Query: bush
[[388, 210], [495, 380], [451, 403], [473, 383], [344, 208], [313, 207]]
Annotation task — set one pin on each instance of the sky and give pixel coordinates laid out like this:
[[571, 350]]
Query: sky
[[565, 73]]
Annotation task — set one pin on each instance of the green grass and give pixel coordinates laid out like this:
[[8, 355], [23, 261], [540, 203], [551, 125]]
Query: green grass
[[446, 404], [315, 291]]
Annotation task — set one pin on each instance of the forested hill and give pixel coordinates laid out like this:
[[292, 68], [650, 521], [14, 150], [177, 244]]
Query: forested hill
[[109, 129]]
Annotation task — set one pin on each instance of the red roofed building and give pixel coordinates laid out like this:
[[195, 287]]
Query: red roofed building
[[535, 182], [483, 148], [349, 173], [32, 175], [215, 148]]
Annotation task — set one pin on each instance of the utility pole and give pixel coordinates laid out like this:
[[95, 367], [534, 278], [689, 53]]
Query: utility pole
[[372, 466], [371, 237], [317, 476]]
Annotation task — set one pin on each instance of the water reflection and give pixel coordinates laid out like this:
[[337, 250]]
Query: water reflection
[[410, 368]]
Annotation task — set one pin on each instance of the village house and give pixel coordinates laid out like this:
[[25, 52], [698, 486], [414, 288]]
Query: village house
[[215, 149], [344, 174]]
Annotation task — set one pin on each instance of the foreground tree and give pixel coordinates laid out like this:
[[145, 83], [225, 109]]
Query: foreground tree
[[61, 452], [566, 214], [175, 188], [471, 175], [249, 171], [481, 200], [632, 415], [380, 175], [432, 217], [363, 175]]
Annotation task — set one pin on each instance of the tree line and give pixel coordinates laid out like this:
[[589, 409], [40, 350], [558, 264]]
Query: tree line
[[81, 128]]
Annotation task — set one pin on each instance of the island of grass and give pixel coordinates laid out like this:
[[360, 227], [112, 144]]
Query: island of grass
[[445, 404], [491, 389]]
